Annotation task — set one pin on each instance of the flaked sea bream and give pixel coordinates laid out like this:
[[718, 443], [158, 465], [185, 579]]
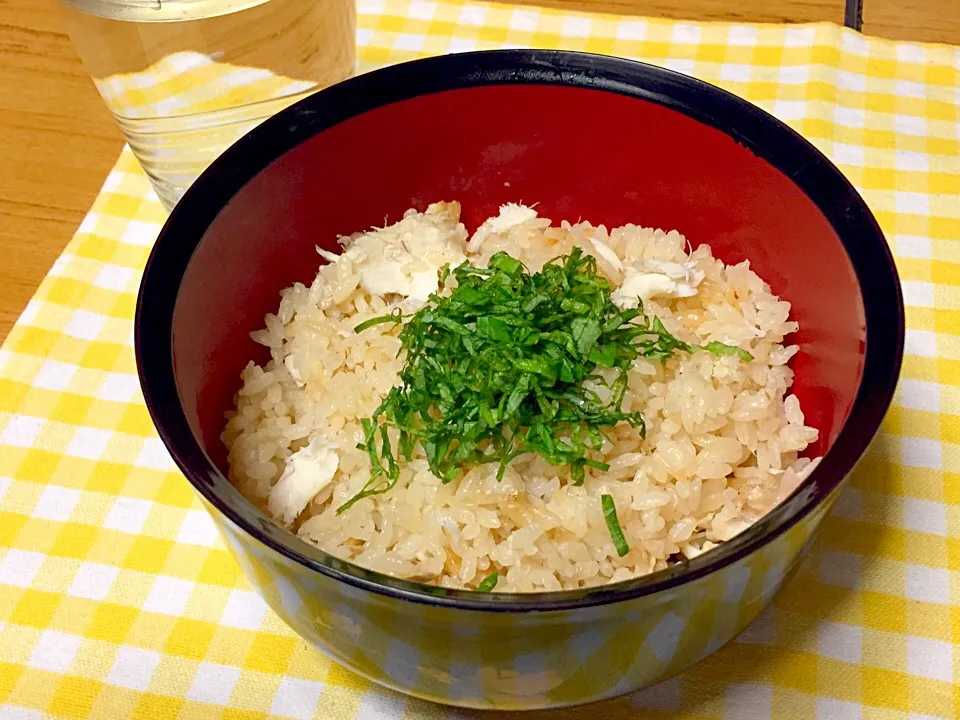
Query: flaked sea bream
[[305, 473], [402, 259]]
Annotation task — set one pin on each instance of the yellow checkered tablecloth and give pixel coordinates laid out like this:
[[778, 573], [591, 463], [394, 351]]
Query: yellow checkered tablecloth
[[119, 600]]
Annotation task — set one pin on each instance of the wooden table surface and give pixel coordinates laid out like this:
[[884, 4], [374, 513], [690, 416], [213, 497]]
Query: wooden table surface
[[58, 142]]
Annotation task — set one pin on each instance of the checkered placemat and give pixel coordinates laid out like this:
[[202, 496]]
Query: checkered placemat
[[118, 599]]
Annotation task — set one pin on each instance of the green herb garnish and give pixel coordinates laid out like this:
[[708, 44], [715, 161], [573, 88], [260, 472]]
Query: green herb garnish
[[394, 317], [719, 348], [488, 583], [498, 368], [613, 525]]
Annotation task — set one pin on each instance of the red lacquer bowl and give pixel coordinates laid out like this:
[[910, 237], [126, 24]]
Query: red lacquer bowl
[[584, 136]]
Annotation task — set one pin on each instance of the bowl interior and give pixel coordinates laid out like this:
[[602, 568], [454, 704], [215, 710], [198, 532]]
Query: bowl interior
[[579, 153]]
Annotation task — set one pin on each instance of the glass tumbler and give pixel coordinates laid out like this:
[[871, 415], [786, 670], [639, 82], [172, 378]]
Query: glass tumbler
[[187, 78]]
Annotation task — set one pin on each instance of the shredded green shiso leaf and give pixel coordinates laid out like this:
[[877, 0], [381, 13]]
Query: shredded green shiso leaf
[[613, 525], [488, 583], [498, 367]]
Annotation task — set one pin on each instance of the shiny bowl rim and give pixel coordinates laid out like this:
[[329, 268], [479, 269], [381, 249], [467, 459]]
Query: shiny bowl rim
[[764, 135]]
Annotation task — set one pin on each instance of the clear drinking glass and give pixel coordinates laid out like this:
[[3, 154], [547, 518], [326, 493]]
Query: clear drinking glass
[[186, 78]]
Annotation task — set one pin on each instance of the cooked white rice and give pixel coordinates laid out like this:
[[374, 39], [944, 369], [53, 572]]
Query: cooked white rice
[[723, 435]]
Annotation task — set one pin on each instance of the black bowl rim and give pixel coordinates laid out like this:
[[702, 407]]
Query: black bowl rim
[[758, 131]]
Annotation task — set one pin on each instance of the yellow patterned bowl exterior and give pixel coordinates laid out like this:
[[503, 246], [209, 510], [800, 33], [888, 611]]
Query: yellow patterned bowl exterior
[[247, 227], [520, 661]]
